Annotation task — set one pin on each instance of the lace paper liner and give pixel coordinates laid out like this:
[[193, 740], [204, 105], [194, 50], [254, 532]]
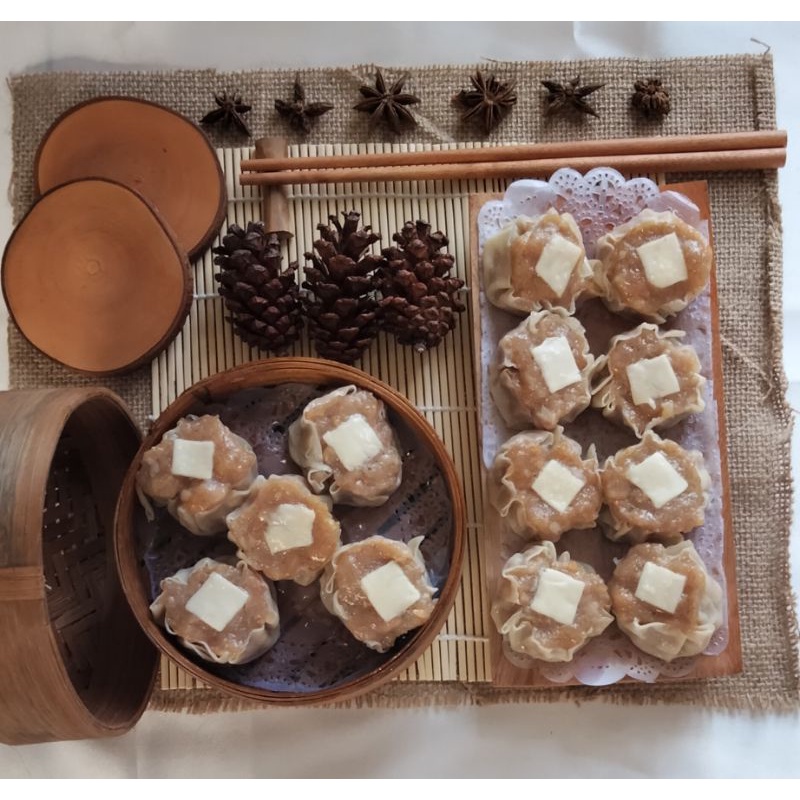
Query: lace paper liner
[[600, 201]]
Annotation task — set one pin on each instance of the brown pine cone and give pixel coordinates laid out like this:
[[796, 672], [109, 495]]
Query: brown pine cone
[[264, 300], [340, 299], [420, 298]]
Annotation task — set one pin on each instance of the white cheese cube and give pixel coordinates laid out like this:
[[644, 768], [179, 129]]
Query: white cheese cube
[[557, 596], [651, 379], [354, 442], [389, 591], [191, 459], [554, 358], [556, 263], [217, 602], [657, 478], [663, 261], [557, 486], [660, 587], [289, 526]]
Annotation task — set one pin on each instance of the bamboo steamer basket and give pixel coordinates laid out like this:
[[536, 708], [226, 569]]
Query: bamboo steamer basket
[[74, 664], [274, 372]]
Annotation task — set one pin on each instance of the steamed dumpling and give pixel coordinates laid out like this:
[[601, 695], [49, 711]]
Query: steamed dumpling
[[344, 443], [201, 471]]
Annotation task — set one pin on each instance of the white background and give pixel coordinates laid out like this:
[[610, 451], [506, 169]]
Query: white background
[[550, 740]]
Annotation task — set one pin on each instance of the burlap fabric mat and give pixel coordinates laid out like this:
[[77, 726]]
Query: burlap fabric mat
[[733, 93]]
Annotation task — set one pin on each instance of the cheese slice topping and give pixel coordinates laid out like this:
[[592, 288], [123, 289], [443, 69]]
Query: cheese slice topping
[[389, 591], [663, 261], [660, 587], [354, 442], [557, 486], [289, 526], [192, 459], [651, 379], [554, 358], [217, 602], [557, 596], [556, 263], [658, 479]]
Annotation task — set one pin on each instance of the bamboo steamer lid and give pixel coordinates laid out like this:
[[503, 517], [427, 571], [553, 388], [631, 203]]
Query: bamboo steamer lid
[[74, 663]]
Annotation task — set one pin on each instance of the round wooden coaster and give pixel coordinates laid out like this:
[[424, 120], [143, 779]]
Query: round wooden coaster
[[94, 279], [148, 148]]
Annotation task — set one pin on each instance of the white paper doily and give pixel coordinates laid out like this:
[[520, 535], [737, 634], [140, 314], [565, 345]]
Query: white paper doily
[[600, 201]]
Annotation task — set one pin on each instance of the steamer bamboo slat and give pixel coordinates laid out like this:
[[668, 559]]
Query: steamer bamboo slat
[[75, 664], [277, 372], [729, 662]]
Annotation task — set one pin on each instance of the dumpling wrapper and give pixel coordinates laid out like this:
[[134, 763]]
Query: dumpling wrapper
[[685, 632], [535, 636], [630, 515], [199, 505], [251, 632], [342, 594], [516, 381], [510, 259], [620, 273], [247, 529], [371, 483], [612, 392], [515, 469]]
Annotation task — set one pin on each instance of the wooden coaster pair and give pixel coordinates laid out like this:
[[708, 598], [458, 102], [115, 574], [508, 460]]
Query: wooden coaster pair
[[96, 275]]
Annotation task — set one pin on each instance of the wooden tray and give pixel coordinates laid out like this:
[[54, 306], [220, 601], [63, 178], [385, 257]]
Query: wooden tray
[[504, 673], [148, 148]]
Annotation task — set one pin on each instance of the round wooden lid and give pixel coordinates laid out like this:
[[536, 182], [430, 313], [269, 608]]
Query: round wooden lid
[[146, 147], [94, 279]]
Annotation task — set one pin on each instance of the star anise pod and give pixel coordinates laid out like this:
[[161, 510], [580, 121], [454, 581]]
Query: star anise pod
[[298, 113], [489, 100], [567, 95], [387, 105], [650, 98], [228, 113]]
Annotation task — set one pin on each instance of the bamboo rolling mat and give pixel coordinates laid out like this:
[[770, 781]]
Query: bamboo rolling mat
[[441, 383]]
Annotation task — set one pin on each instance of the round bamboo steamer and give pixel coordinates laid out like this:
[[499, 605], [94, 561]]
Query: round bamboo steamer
[[270, 373], [74, 663]]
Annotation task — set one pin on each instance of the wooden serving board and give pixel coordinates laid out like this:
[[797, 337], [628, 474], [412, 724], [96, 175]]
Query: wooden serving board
[[503, 672]]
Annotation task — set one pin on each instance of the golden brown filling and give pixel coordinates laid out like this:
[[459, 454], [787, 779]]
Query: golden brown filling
[[227, 645], [625, 274], [526, 249], [628, 607], [234, 465], [522, 377], [379, 475], [518, 589], [648, 344], [632, 510], [523, 459], [248, 526], [352, 564]]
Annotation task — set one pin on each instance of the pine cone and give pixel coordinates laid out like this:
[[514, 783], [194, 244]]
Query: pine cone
[[264, 301], [420, 297], [340, 300]]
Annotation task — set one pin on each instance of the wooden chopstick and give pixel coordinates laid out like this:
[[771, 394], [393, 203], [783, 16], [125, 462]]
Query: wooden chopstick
[[705, 161], [748, 140]]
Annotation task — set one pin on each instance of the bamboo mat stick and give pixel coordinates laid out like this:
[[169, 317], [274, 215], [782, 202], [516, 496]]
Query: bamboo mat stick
[[747, 140], [717, 161]]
